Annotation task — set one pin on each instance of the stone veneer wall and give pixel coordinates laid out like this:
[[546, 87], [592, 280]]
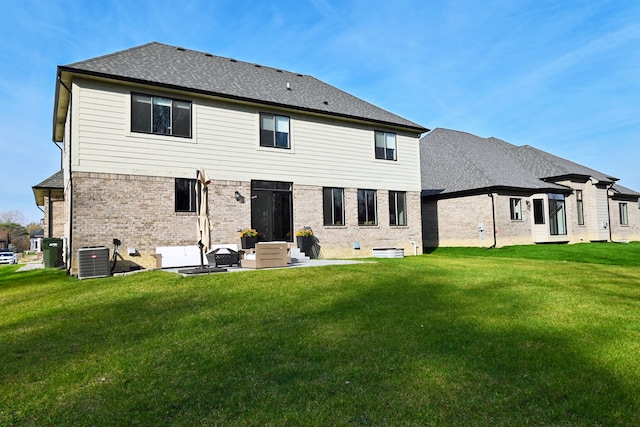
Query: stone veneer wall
[[139, 210]]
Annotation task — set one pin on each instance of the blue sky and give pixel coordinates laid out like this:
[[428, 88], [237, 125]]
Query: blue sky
[[561, 76]]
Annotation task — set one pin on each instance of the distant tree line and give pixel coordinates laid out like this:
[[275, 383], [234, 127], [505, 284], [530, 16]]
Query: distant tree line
[[14, 231]]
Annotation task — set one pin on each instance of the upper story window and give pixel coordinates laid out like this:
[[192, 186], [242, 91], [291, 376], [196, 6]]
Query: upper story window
[[624, 215], [367, 207], [333, 206], [274, 131], [516, 209], [580, 207], [185, 195], [385, 144], [397, 208], [160, 116]]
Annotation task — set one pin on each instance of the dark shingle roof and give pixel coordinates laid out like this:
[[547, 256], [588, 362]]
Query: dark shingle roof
[[545, 165], [36, 234], [53, 184], [624, 191], [55, 181], [454, 162], [200, 72]]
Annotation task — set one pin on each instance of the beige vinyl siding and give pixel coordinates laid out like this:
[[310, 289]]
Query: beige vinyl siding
[[596, 211], [602, 213], [540, 232], [323, 152]]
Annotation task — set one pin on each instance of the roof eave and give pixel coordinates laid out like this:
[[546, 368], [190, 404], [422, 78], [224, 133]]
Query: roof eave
[[579, 178], [495, 189], [61, 104], [40, 192]]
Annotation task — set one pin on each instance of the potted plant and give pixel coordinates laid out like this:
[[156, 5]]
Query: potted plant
[[304, 239], [248, 238]]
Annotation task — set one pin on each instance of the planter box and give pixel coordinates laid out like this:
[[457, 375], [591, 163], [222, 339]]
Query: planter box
[[306, 245]]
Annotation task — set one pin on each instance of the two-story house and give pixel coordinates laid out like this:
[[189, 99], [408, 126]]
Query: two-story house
[[485, 191], [283, 150]]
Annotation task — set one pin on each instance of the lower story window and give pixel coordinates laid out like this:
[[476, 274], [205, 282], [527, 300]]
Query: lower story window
[[333, 206], [516, 209], [580, 207], [397, 208], [557, 216], [367, 207], [624, 215], [185, 195], [538, 211]]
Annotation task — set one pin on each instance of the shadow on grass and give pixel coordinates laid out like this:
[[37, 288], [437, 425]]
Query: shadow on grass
[[387, 344]]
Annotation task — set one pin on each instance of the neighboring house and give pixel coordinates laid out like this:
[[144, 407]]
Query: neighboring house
[[49, 195], [485, 191], [624, 211], [35, 238], [283, 151], [4, 239]]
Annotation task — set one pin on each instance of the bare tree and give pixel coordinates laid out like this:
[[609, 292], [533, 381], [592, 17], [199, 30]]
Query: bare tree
[[12, 217], [18, 235]]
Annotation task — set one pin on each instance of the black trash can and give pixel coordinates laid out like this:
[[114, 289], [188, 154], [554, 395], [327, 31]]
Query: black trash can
[[52, 252]]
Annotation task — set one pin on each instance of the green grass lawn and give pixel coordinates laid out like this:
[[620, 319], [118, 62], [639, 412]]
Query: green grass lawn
[[450, 338]]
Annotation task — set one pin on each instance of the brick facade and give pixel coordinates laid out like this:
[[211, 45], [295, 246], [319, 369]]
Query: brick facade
[[337, 241], [455, 221], [140, 211], [57, 217], [630, 231]]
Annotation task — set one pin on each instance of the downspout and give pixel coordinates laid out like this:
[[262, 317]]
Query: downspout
[[493, 217], [50, 220], [61, 154], [50, 231], [70, 244], [609, 212]]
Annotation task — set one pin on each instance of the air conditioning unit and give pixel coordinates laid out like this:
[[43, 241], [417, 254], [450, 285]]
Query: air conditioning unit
[[93, 262]]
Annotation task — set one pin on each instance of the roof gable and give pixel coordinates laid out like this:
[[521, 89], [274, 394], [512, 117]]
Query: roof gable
[[159, 64]]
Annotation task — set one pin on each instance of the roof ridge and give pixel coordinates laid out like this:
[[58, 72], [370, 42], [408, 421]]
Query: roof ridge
[[239, 61]]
